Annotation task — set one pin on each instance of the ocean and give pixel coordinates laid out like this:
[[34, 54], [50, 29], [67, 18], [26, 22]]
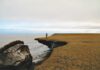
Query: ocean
[[27, 38]]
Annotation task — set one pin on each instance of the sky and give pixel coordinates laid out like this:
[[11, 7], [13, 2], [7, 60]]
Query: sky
[[52, 16]]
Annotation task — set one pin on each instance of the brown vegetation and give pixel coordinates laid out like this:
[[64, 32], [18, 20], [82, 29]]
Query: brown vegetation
[[81, 53]]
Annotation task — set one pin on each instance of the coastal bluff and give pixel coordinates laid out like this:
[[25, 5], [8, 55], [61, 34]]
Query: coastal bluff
[[80, 53]]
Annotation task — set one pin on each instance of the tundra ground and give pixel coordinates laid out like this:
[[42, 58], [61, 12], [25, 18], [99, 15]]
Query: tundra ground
[[81, 53]]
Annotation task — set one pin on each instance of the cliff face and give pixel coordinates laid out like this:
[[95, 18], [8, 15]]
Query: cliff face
[[51, 43]]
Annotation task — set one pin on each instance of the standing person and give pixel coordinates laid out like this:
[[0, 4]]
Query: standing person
[[46, 35]]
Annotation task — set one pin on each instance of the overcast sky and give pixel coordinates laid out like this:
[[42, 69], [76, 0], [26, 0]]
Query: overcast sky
[[65, 16]]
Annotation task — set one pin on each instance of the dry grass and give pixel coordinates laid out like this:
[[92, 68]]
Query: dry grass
[[81, 53]]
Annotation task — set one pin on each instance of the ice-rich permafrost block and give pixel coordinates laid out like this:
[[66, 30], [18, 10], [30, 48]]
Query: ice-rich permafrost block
[[15, 56]]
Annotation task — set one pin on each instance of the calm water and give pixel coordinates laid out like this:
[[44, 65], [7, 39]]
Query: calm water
[[28, 39]]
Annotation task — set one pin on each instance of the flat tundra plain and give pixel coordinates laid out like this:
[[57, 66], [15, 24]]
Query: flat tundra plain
[[82, 52]]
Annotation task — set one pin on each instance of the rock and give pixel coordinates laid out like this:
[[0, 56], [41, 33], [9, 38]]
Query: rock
[[15, 56]]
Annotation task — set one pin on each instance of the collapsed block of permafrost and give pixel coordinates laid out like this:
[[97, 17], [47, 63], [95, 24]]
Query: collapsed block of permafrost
[[15, 56]]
